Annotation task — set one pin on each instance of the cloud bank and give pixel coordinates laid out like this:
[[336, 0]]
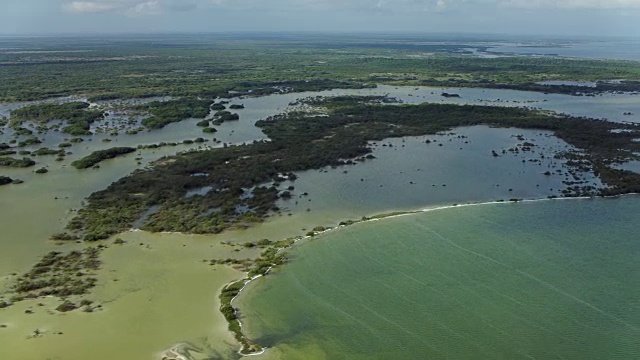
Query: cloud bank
[[154, 7], [127, 7]]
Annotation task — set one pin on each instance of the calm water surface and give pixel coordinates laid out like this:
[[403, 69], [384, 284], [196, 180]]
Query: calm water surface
[[553, 279]]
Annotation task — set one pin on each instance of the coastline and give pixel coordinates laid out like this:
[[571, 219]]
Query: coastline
[[391, 215]]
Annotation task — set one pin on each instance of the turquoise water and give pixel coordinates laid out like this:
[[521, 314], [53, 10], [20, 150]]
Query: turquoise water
[[546, 280]]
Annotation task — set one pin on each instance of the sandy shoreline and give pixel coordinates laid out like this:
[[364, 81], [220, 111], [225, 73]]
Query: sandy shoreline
[[173, 353]]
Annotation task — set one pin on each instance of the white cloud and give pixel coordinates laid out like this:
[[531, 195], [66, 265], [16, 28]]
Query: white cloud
[[128, 7], [153, 7], [425, 4], [393, 5], [89, 6]]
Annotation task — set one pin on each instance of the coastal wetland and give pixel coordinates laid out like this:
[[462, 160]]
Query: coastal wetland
[[169, 283]]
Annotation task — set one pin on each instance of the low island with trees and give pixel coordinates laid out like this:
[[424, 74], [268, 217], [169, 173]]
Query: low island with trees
[[98, 156]]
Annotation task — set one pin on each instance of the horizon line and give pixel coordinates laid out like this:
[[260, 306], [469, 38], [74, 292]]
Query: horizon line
[[312, 32]]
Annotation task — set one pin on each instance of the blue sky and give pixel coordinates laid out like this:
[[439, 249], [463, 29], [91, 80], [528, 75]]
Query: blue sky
[[548, 17]]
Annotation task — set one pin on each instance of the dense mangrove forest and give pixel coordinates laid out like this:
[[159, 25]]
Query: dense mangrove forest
[[236, 186], [240, 66]]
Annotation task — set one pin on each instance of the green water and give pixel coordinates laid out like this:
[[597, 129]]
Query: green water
[[545, 280]]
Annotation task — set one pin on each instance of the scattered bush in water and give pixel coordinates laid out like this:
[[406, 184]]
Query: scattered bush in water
[[226, 116], [64, 237], [47, 151], [59, 274], [18, 163], [66, 306], [77, 115], [30, 141]]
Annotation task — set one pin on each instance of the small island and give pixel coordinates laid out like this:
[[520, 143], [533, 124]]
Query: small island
[[4, 180], [167, 112], [17, 163], [101, 155]]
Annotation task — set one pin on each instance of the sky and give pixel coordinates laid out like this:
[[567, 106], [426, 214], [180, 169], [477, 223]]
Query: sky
[[516, 17]]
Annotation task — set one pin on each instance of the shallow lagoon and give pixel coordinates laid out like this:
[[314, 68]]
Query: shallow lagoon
[[169, 271], [550, 279]]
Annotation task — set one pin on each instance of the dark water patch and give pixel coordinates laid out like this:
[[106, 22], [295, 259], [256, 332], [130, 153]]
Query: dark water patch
[[145, 216], [202, 191], [569, 83]]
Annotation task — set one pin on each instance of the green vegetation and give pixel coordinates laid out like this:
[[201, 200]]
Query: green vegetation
[[18, 163], [42, 171], [101, 155], [203, 123], [270, 258], [29, 141], [223, 115], [20, 131], [66, 306], [77, 115], [47, 151], [64, 237], [300, 141], [59, 274], [236, 106], [224, 66], [4, 180], [164, 113], [226, 296]]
